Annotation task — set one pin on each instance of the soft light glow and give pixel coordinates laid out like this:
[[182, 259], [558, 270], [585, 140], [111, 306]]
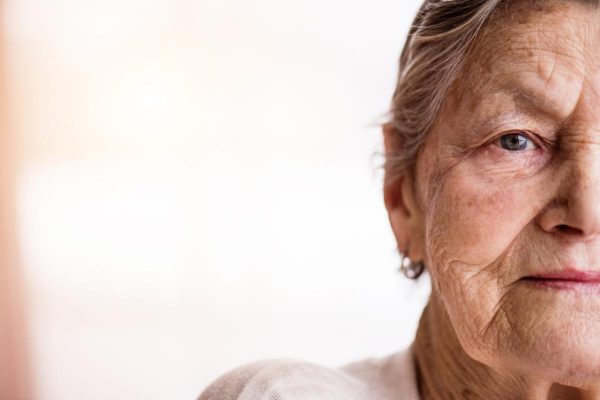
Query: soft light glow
[[196, 189]]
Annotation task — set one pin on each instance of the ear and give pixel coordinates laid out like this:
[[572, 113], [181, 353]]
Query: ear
[[400, 201]]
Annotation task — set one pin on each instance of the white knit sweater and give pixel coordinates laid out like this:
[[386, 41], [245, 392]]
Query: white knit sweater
[[388, 378]]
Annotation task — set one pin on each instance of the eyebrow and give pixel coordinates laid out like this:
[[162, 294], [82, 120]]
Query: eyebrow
[[527, 102], [536, 101]]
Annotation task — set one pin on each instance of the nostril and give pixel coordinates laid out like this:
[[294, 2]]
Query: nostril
[[567, 230]]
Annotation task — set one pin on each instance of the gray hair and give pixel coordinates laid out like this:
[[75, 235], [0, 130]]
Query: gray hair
[[433, 55]]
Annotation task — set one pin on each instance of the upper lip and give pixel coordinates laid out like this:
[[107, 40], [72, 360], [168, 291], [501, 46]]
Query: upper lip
[[570, 275]]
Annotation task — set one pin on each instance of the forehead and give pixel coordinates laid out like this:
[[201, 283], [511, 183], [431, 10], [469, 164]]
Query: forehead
[[547, 50]]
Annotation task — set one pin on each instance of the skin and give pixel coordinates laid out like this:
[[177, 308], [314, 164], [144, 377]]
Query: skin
[[483, 218]]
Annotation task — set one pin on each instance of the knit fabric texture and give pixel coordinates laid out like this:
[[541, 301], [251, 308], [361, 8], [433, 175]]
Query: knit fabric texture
[[387, 378]]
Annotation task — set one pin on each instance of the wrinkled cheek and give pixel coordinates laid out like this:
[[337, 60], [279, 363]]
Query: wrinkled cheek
[[473, 222], [471, 226]]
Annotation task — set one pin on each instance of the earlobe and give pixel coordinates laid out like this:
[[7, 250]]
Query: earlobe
[[399, 215], [405, 218], [399, 198]]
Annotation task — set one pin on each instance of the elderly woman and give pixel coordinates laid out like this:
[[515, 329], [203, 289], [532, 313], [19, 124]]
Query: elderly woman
[[493, 187]]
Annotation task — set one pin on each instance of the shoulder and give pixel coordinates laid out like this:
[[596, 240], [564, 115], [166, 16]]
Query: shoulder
[[386, 378], [284, 379]]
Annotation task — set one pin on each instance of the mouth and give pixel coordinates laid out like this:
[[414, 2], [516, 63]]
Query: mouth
[[575, 280]]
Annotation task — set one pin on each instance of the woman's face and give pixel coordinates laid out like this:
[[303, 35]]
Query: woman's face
[[509, 188]]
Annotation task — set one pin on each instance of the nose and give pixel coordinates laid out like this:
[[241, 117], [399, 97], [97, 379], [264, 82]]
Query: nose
[[574, 213]]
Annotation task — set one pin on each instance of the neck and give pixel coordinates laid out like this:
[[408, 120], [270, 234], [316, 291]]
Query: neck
[[445, 371]]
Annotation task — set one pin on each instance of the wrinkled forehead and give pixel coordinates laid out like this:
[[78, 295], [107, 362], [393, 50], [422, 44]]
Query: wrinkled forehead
[[546, 49]]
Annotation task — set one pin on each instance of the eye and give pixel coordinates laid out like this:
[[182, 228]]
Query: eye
[[516, 142]]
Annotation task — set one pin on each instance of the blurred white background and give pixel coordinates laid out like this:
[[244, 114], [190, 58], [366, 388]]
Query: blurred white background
[[197, 188]]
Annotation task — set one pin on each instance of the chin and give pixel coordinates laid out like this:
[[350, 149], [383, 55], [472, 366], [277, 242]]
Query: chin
[[544, 335], [568, 362], [566, 351]]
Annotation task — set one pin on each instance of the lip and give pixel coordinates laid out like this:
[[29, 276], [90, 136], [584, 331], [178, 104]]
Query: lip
[[571, 275], [572, 280]]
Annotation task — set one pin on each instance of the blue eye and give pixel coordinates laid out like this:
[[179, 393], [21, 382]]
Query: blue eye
[[516, 142]]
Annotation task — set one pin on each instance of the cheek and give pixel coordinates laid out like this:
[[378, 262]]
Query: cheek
[[475, 220], [475, 224]]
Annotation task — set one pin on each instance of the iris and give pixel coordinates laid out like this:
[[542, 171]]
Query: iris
[[514, 142]]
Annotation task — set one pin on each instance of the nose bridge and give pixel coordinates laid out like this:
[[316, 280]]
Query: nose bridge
[[581, 187]]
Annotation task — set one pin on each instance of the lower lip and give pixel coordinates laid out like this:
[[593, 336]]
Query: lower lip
[[564, 284]]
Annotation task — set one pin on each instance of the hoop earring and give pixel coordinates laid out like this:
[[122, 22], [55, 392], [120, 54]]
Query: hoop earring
[[411, 269]]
